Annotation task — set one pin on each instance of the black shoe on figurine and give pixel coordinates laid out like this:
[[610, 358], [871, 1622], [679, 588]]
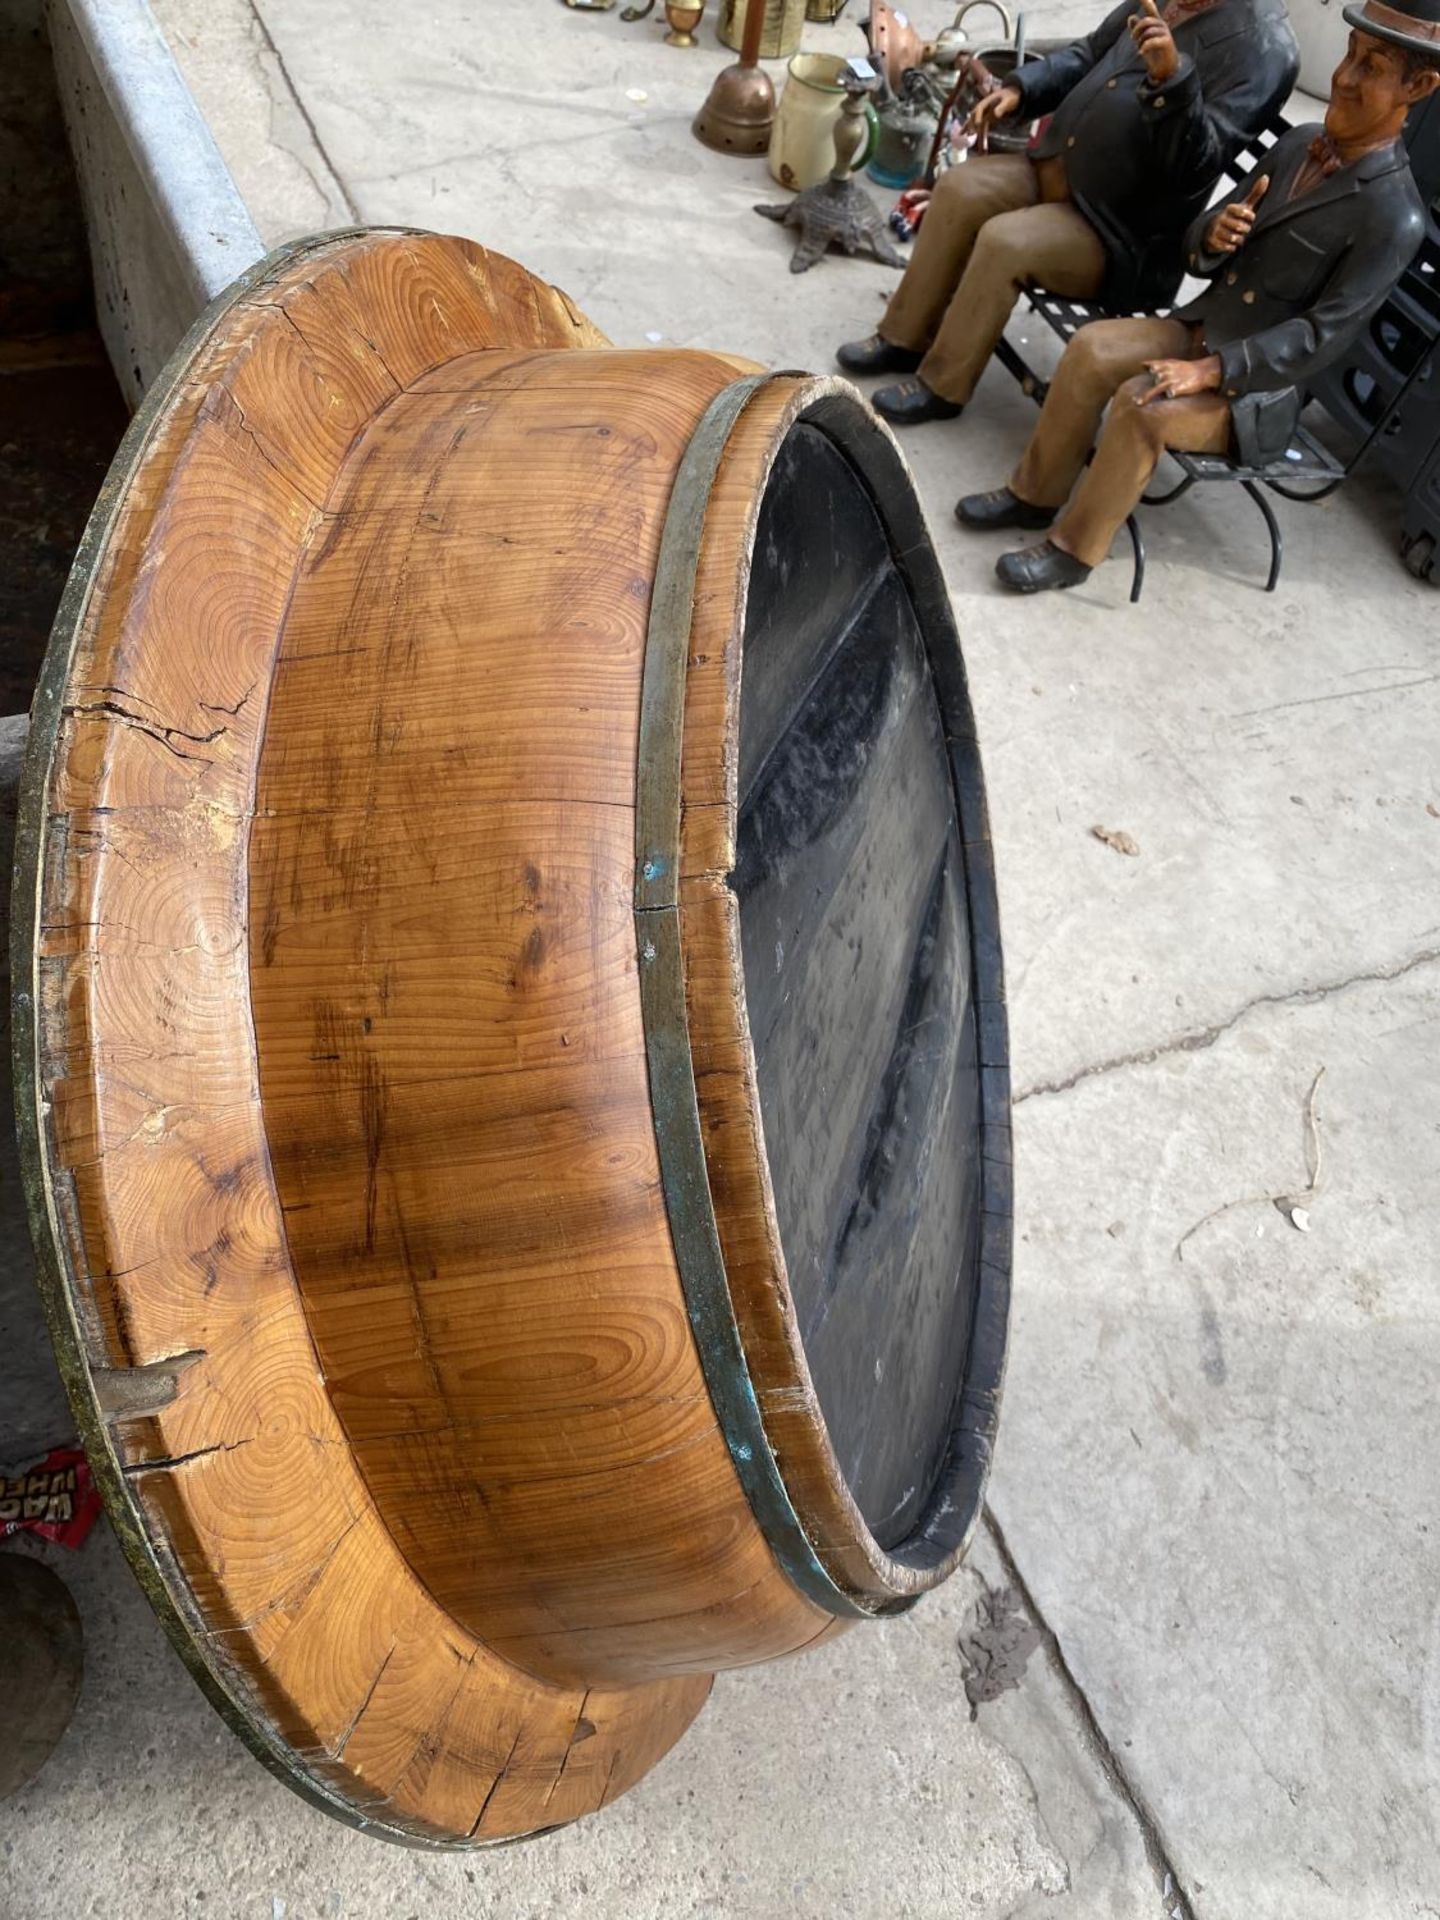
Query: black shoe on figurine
[[911, 404], [1038, 569], [877, 356], [992, 512]]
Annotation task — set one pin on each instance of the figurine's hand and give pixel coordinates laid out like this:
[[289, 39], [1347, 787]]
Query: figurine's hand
[[1230, 228], [1174, 379], [1003, 104], [1156, 43]]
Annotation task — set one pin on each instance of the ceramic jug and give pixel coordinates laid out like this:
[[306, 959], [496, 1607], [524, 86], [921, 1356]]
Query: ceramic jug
[[802, 147]]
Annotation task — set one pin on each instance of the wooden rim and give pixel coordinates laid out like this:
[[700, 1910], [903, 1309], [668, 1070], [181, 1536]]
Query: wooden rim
[[703, 1074], [673, 1092], [394, 1719]]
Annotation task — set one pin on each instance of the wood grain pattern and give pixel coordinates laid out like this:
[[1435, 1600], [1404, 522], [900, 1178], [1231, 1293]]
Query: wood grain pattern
[[344, 1127], [449, 1030], [301, 1608]]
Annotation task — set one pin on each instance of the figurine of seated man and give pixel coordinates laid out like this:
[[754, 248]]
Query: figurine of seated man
[[1298, 263], [1147, 112]]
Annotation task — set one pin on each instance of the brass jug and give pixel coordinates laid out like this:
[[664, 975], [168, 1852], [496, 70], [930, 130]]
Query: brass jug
[[802, 146], [780, 36]]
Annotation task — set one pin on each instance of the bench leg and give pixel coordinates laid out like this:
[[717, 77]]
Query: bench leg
[[1277, 538], [1019, 368], [1175, 493], [1137, 542], [1307, 499]]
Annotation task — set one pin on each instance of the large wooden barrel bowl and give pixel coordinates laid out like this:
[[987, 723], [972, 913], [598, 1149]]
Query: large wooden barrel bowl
[[510, 1031]]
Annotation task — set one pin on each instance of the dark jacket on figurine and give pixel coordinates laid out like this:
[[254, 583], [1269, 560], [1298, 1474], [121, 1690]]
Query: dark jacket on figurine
[[1309, 277], [1142, 160]]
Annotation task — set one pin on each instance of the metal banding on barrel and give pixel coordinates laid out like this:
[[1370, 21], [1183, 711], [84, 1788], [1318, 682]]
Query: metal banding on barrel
[[672, 1078], [950, 1508]]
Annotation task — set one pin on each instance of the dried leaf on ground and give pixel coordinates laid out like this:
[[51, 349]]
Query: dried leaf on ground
[[1115, 837], [997, 1649]]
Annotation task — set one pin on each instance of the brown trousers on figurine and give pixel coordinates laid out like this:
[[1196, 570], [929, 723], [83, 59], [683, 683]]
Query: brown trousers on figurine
[[1104, 365], [993, 225]]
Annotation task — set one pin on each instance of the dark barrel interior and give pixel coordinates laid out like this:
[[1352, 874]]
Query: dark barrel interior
[[858, 975]]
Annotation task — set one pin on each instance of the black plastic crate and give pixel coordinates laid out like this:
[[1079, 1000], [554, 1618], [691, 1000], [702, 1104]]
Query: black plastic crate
[[1422, 137], [1359, 389], [1420, 530]]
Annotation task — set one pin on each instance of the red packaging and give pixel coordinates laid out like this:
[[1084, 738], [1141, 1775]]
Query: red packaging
[[55, 1498]]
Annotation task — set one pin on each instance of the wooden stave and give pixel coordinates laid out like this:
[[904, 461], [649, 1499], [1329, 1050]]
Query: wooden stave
[[271, 1723], [869, 1580], [548, 1567]]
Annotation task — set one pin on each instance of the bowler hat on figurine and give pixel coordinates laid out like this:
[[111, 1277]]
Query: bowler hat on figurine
[[1413, 24]]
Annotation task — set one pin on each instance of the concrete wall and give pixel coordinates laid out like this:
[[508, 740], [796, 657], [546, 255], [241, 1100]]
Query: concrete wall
[[167, 227]]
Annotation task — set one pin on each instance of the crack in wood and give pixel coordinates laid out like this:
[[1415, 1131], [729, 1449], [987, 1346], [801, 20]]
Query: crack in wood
[[359, 1714], [217, 707], [570, 1745], [494, 1786], [165, 736], [169, 1462], [609, 1780], [295, 1597]]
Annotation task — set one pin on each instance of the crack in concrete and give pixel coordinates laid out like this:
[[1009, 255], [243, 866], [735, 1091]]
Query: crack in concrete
[[1093, 1737], [304, 112], [1206, 1037], [1349, 693]]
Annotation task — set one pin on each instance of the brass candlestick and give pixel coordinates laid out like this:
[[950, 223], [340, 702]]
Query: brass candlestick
[[839, 212], [684, 17]]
